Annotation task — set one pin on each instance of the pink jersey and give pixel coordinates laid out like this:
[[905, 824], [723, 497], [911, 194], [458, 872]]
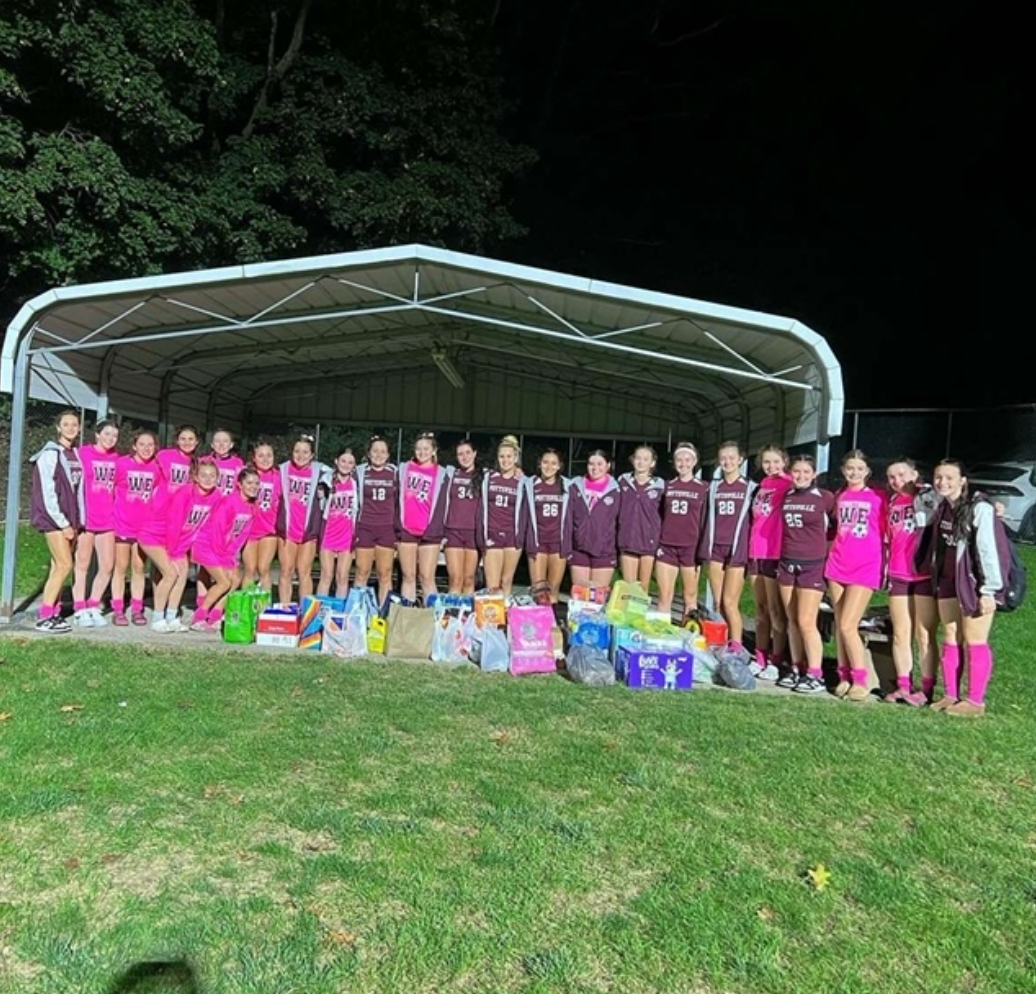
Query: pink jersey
[[135, 485], [300, 497], [264, 522], [767, 523], [418, 488], [97, 490], [177, 516], [340, 517], [176, 468], [857, 555], [903, 539], [228, 468], [807, 517], [220, 539], [683, 513]]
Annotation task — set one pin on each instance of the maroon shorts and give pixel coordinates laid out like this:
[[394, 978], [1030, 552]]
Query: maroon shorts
[[592, 562], [947, 588], [724, 555], [502, 540], [677, 555], [548, 549], [638, 553], [764, 567], [124, 539], [407, 538], [369, 537], [802, 576], [461, 538], [910, 588]]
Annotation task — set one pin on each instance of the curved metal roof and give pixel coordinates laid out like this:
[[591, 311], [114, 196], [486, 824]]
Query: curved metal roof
[[353, 337]]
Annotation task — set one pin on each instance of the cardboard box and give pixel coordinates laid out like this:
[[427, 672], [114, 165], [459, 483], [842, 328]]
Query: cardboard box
[[280, 641], [278, 626], [648, 669], [312, 612], [594, 595], [490, 609]]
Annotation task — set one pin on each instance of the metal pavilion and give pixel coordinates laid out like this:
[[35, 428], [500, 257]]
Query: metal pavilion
[[418, 336]]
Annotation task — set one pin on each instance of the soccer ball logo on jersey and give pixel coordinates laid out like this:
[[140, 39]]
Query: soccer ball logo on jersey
[[298, 488], [342, 503], [764, 503], [264, 499], [855, 517], [419, 488], [140, 484], [241, 522], [902, 518]]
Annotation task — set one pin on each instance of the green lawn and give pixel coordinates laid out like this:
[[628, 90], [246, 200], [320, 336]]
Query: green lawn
[[298, 824], [33, 561]]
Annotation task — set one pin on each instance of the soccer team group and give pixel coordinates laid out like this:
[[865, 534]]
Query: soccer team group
[[932, 546]]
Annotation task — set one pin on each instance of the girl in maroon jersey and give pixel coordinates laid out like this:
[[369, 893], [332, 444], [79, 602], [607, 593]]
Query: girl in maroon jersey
[[912, 608], [595, 513], [261, 548], [684, 506], [725, 539], [377, 499], [300, 518], [640, 516], [548, 524], [422, 506], [764, 549], [808, 512], [968, 577], [502, 500], [463, 499]]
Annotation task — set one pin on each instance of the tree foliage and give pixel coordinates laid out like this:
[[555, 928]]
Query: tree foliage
[[139, 136]]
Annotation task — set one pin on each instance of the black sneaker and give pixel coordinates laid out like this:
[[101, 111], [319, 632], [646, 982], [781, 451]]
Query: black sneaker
[[54, 625], [789, 681], [810, 685]]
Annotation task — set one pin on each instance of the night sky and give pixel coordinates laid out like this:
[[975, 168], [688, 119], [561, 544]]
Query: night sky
[[856, 166]]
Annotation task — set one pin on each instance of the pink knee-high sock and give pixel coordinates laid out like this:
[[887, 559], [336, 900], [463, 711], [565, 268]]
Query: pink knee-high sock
[[980, 667], [46, 611], [92, 604], [137, 605], [951, 669], [118, 605], [903, 683], [215, 616], [859, 676]]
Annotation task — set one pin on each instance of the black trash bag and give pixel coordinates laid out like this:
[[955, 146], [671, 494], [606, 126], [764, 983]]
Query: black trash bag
[[588, 664]]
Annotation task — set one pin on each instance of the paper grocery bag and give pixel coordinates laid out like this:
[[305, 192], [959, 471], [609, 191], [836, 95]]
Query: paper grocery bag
[[410, 632]]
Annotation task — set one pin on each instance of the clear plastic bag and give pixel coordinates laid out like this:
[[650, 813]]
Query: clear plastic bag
[[733, 671], [495, 654]]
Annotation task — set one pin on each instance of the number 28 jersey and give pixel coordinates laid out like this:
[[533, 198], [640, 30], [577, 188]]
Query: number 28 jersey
[[807, 517]]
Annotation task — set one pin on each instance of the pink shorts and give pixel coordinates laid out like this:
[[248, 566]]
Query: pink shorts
[[380, 536], [677, 555], [802, 576], [592, 562], [461, 538], [910, 588], [763, 567]]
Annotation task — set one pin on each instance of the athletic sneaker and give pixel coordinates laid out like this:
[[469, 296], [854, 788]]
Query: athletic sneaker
[[843, 688], [54, 625], [768, 673], [199, 626], [119, 619], [176, 626], [160, 626], [918, 699], [809, 685], [100, 621], [857, 693], [789, 681], [83, 619], [754, 668]]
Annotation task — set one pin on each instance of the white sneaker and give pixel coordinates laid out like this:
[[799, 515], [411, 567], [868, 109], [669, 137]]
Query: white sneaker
[[100, 621], [83, 619], [176, 626], [769, 673], [754, 668], [160, 626]]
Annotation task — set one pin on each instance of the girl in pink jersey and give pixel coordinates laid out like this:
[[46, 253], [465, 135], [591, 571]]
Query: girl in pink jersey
[[725, 539], [376, 511], [764, 550], [640, 516], [548, 523], [501, 515], [261, 548], [300, 519], [684, 506], [422, 506], [808, 512], [336, 541], [136, 480], [218, 546], [97, 515], [912, 607], [54, 511], [167, 536], [460, 525], [595, 513], [855, 569], [227, 461], [176, 462]]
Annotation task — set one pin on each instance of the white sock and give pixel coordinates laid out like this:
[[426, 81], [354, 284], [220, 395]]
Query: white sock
[[171, 613]]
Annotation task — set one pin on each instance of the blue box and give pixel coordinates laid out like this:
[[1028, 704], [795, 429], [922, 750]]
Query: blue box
[[312, 612], [647, 669]]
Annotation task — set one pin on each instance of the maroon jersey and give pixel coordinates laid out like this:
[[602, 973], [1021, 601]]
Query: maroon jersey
[[378, 500], [462, 506], [949, 547], [727, 510], [548, 505], [683, 512], [807, 516], [503, 502]]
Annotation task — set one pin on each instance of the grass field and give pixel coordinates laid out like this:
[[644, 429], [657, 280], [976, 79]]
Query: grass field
[[33, 561], [302, 825]]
